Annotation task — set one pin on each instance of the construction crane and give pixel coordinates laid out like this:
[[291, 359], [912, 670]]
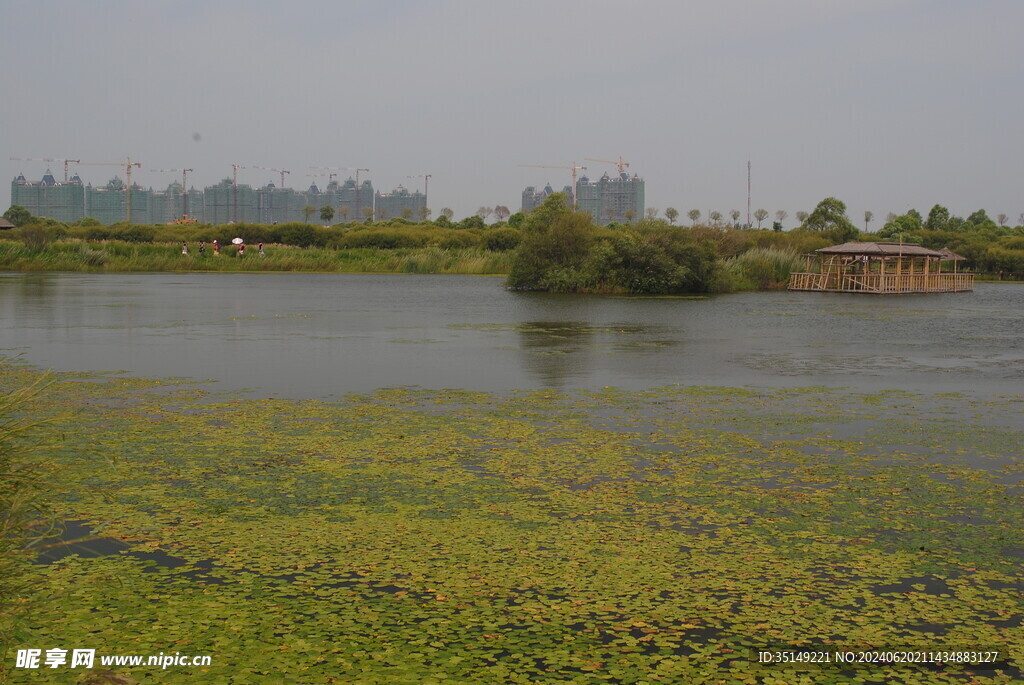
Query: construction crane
[[185, 218], [234, 192], [620, 164], [127, 164], [280, 171], [48, 159], [575, 167], [345, 168], [332, 171], [426, 187]]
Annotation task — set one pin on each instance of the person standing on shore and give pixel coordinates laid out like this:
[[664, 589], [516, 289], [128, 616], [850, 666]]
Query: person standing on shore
[[262, 253], [202, 248], [216, 249], [184, 248]]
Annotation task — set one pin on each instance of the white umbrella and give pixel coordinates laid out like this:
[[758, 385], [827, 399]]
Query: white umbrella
[[238, 241]]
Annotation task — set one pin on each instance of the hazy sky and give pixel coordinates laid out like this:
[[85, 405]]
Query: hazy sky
[[885, 104]]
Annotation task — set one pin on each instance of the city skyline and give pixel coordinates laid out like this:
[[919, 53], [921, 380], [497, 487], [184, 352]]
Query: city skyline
[[887, 105]]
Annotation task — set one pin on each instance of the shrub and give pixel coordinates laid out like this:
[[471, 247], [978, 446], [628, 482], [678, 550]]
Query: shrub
[[502, 239]]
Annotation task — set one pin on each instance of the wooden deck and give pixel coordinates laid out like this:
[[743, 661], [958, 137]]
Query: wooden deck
[[882, 283]]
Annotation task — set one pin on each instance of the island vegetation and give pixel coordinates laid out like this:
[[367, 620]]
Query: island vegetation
[[552, 248]]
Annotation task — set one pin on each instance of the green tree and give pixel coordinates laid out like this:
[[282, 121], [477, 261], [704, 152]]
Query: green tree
[[868, 216], [938, 219], [672, 214], [406, 212], [18, 215], [424, 214], [714, 217], [516, 220], [307, 212], [326, 213], [630, 215], [694, 215], [830, 216], [447, 213]]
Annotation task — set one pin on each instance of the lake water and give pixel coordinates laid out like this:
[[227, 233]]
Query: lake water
[[323, 335]]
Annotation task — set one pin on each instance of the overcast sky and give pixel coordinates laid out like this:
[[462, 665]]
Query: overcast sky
[[885, 104]]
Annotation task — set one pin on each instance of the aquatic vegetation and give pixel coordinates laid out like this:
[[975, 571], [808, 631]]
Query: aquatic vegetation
[[450, 536]]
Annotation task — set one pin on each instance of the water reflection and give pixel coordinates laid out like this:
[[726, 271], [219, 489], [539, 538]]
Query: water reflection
[[321, 335], [556, 351]]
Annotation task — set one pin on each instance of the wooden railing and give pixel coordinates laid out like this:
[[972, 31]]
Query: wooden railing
[[882, 283]]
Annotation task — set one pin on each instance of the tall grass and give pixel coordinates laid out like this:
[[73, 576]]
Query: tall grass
[[119, 256], [762, 268]]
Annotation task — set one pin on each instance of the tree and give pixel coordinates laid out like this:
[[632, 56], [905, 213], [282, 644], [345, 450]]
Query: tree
[[1001, 218], [735, 214], [501, 212], [343, 212], [652, 212], [760, 215], [868, 216], [830, 215], [447, 213], [714, 217], [630, 215], [326, 213], [938, 219], [516, 220], [307, 212], [484, 212], [424, 213], [672, 214], [18, 215], [367, 213], [694, 215], [781, 215], [801, 216]]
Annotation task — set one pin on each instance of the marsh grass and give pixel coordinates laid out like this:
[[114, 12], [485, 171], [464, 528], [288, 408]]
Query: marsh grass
[[762, 268], [120, 256]]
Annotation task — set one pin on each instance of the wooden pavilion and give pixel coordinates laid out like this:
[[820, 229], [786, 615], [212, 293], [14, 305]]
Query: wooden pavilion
[[882, 268]]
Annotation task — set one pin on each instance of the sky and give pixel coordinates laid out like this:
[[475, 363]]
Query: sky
[[885, 104]]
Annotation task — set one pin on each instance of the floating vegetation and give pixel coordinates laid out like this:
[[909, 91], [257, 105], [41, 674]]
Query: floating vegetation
[[416, 536]]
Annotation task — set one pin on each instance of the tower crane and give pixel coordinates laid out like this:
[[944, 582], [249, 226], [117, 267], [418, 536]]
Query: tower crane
[[620, 164], [185, 218], [280, 171], [345, 168], [426, 187], [127, 164], [48, 159], [575, 167], [234, 192]]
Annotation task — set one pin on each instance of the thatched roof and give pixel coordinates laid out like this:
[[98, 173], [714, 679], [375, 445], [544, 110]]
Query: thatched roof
[[4, 223], [887, 250]]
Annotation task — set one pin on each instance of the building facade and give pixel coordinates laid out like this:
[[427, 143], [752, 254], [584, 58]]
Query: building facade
[[400, 203], [50, 198], [611, 198], [533, 197], [222, 203]]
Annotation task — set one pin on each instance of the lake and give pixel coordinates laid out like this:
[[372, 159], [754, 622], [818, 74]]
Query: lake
[[321, 335]]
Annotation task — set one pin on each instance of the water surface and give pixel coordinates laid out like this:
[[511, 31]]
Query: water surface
[[320, 335]]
